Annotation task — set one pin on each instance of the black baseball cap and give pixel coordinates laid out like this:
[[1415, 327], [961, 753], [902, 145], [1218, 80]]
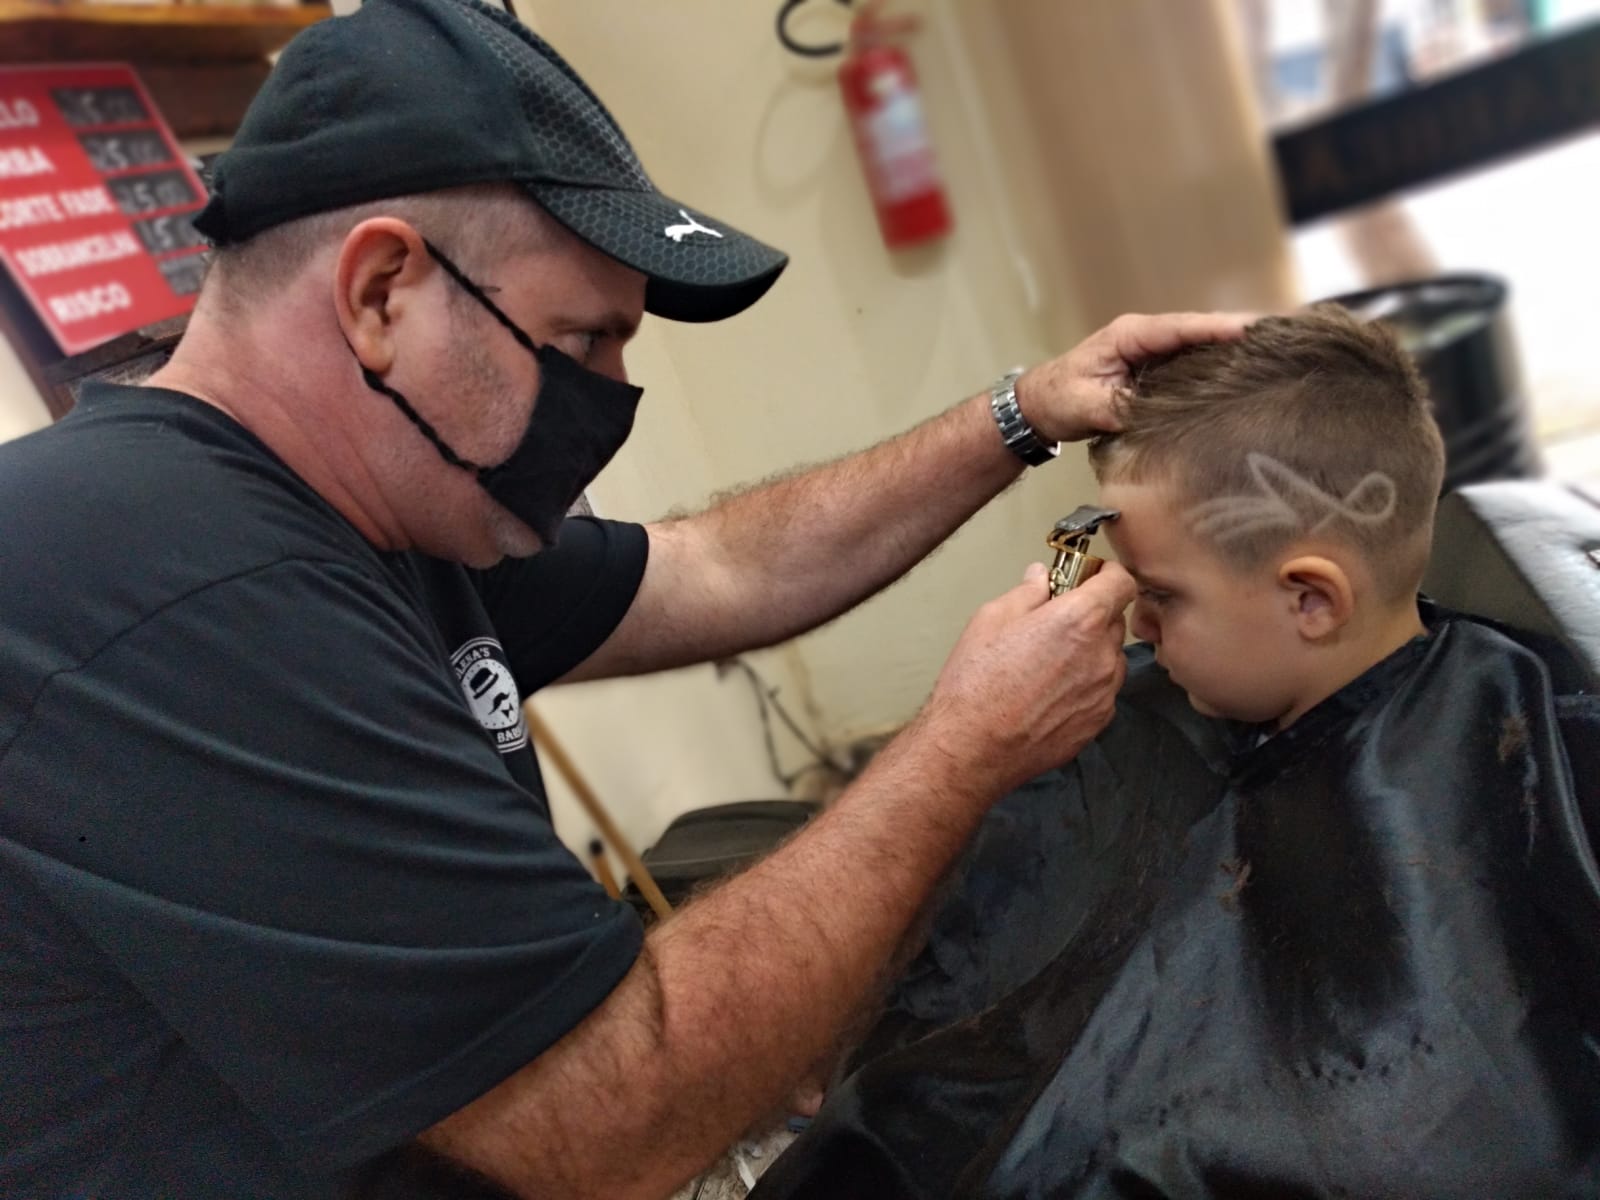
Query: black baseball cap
[[407, 96]]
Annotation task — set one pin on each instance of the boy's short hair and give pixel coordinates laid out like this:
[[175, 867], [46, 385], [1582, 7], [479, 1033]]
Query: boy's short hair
[[1312, 424]]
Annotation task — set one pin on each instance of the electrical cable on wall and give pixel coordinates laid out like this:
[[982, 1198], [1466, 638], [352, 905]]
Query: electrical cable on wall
[[767, 703], [825, 50]]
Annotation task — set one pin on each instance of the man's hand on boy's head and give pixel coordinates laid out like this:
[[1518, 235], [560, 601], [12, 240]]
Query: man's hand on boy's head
[[1074, 396]]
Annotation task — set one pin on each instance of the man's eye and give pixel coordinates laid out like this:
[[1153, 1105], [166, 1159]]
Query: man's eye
[[1154, 595], [581, 345]]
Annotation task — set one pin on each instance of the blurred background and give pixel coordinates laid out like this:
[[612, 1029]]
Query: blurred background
[[963, 186]]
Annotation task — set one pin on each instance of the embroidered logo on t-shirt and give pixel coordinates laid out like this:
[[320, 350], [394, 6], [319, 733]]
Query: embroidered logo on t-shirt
[[485, 679]]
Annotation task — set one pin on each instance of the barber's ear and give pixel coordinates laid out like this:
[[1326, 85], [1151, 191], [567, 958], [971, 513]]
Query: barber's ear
[[381, 264], [1319, 591]]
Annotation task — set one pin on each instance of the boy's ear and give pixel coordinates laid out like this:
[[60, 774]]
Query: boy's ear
[[1320, 592]]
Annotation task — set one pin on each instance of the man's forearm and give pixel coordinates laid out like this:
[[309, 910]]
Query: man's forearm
[[780, 558], [798, 551], [734, 998], [828, 537]]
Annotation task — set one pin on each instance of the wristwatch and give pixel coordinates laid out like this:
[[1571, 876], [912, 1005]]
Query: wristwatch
[[1015, 431]]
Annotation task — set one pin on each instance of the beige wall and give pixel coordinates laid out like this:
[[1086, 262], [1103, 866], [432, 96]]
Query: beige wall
[[22, 409], [1152, 165]]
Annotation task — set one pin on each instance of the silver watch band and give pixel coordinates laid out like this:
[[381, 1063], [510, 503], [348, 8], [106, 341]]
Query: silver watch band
[[1015, 431]]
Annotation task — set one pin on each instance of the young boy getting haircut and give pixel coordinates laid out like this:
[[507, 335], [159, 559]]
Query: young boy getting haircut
[[1277, 499], [1318, 915]]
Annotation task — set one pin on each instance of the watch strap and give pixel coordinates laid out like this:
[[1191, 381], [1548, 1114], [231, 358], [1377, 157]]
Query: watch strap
[[1019, 436]]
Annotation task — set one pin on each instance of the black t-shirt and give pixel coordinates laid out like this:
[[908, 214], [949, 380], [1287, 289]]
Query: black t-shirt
[[278, 885]]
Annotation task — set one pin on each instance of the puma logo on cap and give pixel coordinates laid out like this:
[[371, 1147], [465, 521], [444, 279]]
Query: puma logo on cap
[[678, 232]]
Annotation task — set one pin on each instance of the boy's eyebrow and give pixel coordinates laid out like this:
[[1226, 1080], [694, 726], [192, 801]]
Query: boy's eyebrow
[[1144, 578]]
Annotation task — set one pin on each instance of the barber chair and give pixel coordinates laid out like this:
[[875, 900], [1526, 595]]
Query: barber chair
[[707, 844], [1527, 555]]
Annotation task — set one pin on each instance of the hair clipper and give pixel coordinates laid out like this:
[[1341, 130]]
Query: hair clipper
[[1070, 540]]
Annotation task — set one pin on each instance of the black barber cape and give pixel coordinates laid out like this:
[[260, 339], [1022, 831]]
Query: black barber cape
[[1358, 959], [278, 885]]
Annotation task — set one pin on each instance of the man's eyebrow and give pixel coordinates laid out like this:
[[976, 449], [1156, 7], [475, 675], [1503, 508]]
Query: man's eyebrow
[[619, 325], [616, 323]]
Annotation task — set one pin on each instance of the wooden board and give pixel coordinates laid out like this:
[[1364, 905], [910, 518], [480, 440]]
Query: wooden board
[[78, 31]]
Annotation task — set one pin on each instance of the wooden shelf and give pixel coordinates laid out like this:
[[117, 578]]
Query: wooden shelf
[[36, 31]]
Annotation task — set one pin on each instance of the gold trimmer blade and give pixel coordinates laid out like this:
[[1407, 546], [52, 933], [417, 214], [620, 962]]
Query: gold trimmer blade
[[1070, 540]]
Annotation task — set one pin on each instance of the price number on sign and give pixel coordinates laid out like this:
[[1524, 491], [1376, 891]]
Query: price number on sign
[[163, 234], [184, 275], [146, 193], [120, 151], [99, 106]]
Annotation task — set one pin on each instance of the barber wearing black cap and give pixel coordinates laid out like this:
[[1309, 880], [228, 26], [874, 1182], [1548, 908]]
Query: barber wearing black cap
[[280, 904]]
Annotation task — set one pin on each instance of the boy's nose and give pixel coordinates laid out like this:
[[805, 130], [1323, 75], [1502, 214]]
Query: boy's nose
[[1143, 625]]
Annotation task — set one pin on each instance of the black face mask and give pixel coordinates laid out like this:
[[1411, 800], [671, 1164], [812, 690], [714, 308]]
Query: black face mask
[[580, 419]]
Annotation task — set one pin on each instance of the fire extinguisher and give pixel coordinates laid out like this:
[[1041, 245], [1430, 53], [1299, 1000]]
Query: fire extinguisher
[[884, 104]]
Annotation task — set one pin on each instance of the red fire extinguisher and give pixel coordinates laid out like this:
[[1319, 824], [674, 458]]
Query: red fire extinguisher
[[891, 135]]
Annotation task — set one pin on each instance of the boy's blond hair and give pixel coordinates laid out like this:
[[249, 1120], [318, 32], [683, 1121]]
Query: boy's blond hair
[[1316, 423]]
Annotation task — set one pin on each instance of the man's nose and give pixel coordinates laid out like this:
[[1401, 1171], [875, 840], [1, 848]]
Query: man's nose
[[612, 364]]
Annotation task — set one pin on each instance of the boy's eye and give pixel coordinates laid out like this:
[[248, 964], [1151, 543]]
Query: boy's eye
[[1154, 595]]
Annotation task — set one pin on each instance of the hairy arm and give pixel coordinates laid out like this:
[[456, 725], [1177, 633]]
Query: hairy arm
[[739, 993], [731, 1000], [778, 559], [772, 561]]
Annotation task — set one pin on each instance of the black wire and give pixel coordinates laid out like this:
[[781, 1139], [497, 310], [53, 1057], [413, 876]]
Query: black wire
[[767, 702], [827, 50]]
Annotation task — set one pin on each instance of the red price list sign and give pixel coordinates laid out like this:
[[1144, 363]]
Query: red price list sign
[[95, 203]]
